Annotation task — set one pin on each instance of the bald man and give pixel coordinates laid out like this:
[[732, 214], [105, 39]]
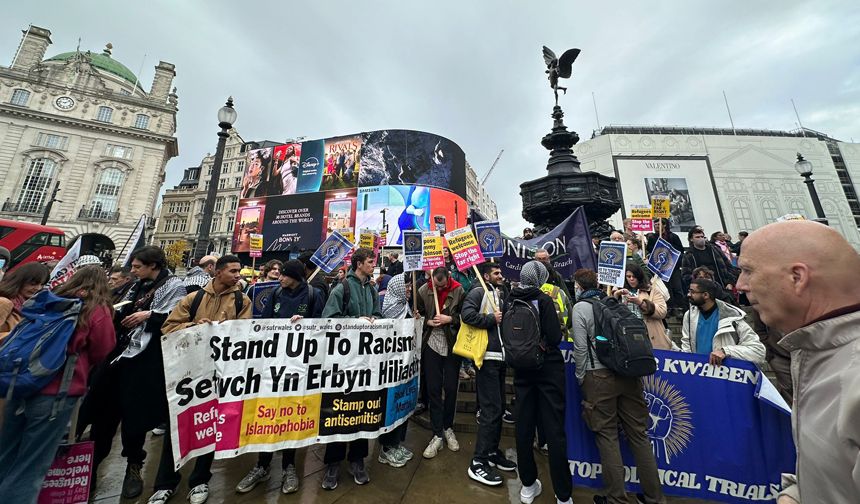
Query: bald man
[[803, 278]]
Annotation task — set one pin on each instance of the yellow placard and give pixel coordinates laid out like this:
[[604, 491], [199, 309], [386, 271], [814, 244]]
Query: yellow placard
[[268, 420], [641, 212], [461, 239], [433, 255], [256, 243], [366, 239], [660, 207]]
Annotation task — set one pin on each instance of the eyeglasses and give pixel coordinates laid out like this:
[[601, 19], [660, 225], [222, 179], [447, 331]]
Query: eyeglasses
[[691, 291]]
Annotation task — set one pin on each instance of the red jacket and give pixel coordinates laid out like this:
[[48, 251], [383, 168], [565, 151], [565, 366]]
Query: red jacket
[[92, 344]]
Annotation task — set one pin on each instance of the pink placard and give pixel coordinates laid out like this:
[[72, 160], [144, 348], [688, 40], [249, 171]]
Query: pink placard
[[641, 225], [68, 480]]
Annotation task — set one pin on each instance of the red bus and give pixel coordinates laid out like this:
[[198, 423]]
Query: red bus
[[29, 242]]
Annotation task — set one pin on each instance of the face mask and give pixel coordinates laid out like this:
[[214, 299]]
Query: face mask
[[577, 291], [698, 242]]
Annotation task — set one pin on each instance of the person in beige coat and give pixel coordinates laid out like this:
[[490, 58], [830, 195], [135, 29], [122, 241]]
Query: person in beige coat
[[803, 278], [647, 304]]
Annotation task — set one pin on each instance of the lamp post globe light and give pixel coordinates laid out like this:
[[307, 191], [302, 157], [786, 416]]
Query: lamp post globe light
[[226, 117], [804, 168]]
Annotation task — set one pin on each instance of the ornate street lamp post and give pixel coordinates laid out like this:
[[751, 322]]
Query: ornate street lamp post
[[226, 117], [804, 168]]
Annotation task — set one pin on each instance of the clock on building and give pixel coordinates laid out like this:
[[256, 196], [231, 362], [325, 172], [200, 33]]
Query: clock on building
[[64, 103]]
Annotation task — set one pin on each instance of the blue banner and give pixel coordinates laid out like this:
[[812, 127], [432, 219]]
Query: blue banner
[[663, 259], [330, 254], [489, 237], [569, 246], [713, 438]]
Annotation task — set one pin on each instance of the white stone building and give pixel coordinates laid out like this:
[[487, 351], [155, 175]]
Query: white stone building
[[735, 180], [477, 196], [182, 206], [82, 120]]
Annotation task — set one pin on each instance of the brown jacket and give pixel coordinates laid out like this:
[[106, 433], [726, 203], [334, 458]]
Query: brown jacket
[[451, 306], [9, 317], [653, 312], [215, 307], [825, 369]]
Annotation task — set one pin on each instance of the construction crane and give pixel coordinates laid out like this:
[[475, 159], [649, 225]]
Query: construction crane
[[490, 171]]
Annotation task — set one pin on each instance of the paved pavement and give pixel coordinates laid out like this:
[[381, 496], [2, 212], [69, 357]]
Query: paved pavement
[[439, 480]]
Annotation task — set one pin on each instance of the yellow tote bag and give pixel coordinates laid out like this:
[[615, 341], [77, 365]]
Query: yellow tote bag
[[471, 343]]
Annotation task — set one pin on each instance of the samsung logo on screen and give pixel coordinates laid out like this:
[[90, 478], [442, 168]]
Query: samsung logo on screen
[[310, 163], [662, 166]]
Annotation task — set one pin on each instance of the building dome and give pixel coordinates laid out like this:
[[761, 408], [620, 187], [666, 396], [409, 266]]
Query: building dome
[[101, 61]]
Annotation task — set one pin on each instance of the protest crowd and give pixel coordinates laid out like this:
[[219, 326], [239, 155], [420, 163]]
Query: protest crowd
[[785, 297]]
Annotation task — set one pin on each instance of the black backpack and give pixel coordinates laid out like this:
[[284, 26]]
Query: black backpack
[[309, 307], [621, 339], [521, 336]]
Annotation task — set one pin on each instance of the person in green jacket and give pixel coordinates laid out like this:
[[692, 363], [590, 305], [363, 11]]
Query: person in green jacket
[[353, 297]]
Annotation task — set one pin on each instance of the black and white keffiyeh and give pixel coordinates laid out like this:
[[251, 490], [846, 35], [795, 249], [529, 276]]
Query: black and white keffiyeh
[[533, 274]]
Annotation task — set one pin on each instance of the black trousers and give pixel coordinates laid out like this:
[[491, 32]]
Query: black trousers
[[168, 479], [335, 452], [443, 377], [288, 458], [394, 437], [540, 397], [103, 430], [490, 383]]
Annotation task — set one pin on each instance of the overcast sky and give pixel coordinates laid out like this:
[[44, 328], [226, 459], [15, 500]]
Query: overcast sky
[[472, 70]]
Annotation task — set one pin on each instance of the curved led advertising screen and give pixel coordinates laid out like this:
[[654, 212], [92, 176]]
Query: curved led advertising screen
[[395, 180]]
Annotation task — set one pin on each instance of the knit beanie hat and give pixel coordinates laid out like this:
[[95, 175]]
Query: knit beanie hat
[[533, 274], [294, 269]]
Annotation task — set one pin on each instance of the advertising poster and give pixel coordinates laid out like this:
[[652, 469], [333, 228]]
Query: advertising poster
[[404, 157], [285, 169], [688, 400], [611, 263], [404, 208], [464, 248], [311, 166], [449, 205], [432, 255], [257, 181], [314, 382], [641, 220], [489, 236], [293, 221], [249, 220], [413, 250], [339, 210], [342, 160], [687, 183]]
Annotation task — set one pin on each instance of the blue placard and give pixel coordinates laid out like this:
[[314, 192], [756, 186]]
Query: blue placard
[[413, 250], [611, 261], [330, 254], [260, 296], [489, 236], [663, 259]]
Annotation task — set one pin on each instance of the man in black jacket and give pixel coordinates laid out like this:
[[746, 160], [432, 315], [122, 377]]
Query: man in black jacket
[[482, 309], [702, 253], [319, 280], [540, 393], [677, 292]]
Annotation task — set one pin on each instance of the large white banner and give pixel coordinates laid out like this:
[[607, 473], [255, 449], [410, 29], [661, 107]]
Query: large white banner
[[686, 182], [264, 385]]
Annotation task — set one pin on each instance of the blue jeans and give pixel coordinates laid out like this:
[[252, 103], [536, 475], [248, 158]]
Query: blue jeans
[[29, 443]]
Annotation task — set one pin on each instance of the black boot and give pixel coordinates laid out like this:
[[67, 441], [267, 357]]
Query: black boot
[[132, 484]]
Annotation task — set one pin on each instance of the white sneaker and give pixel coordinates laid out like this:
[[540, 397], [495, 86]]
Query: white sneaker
[[451, 440], [568, 501], [529, 493], [199, 494], [433, 448], [160, 497]]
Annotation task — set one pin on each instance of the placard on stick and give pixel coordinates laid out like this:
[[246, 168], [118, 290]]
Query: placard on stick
[[611, 263], [641, 220], [256, 245], [489, 237], [433, 257], [413, 250], [464, 248], [660, 207], [330, 254]]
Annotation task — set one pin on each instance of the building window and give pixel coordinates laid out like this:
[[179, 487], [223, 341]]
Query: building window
[[197, 226], [20, 97], [52, 141], [240, 165], [105, 114], [39, 176], [226, 168], [742, 214], [222, 183], [237, 182], [206, 186], [796, 206], [234, 203], [107, 192], [216, 224], [141, 121], [209, 170], [771, 212], [118, 151], [219, 204]]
